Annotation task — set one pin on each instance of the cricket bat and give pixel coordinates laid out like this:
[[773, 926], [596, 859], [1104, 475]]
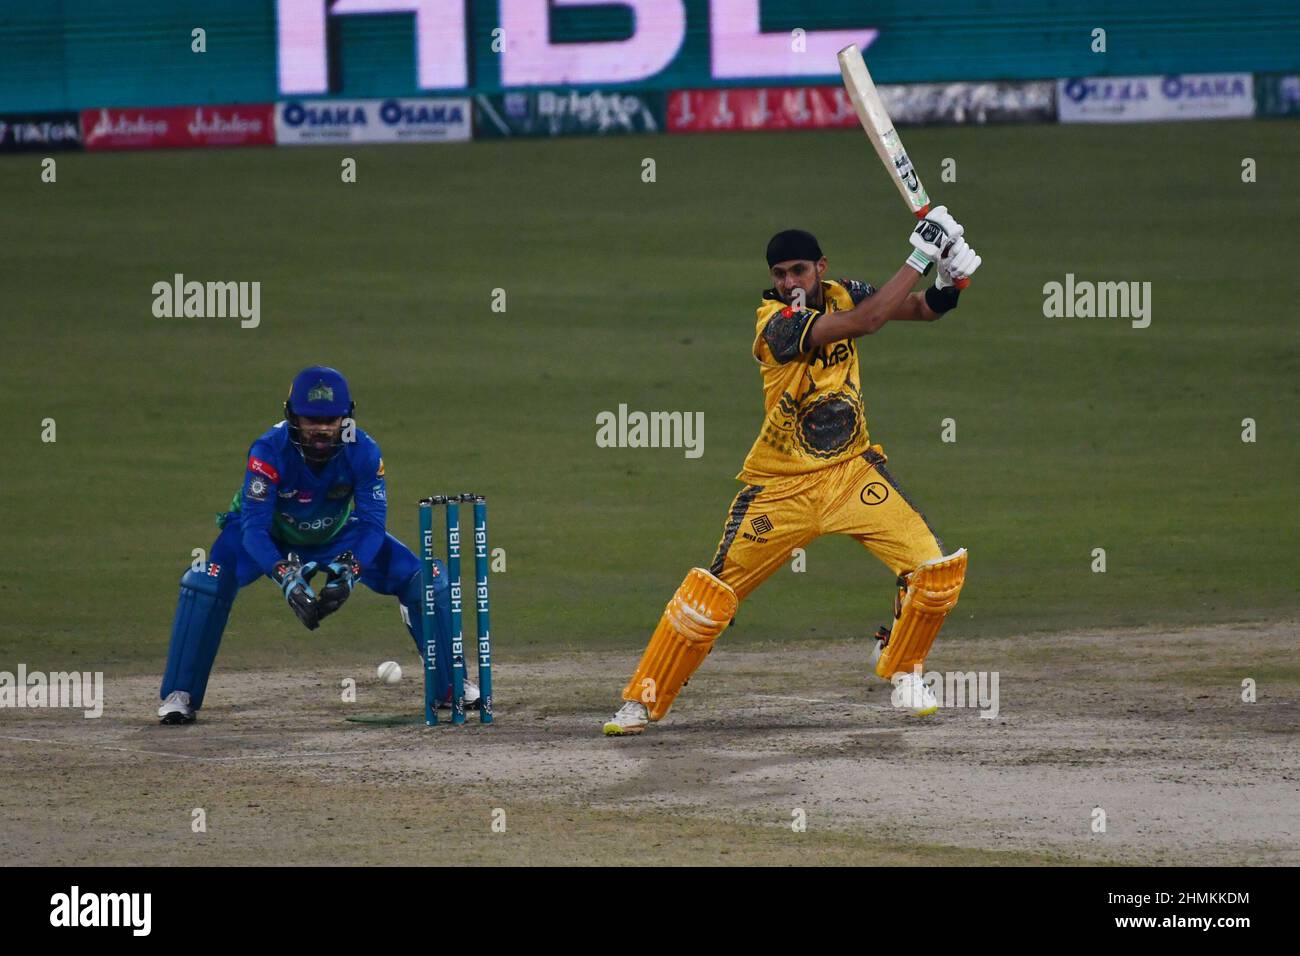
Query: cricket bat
[[880, 130]]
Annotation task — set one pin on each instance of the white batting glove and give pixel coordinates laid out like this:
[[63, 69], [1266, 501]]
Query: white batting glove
[[930, 235], [957, 262]]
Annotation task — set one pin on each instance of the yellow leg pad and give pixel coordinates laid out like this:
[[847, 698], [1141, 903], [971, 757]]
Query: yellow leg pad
[[932, 591], [700, 610]]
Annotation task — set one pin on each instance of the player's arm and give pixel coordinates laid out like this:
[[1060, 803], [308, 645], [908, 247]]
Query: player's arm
[[257, 510], [936, 231], [914, 309], [957, 261], [370, 496], [868, 315]]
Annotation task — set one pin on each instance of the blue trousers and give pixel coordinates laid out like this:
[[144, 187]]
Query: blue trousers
[[206, 598]]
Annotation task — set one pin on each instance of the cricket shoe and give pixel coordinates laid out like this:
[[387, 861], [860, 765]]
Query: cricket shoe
[[913, 694], [472, 697], [630, 719], [881, 639], [176, 709]]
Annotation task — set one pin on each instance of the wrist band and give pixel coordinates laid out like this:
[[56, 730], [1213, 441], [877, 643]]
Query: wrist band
[[919, 261], [942, 300]]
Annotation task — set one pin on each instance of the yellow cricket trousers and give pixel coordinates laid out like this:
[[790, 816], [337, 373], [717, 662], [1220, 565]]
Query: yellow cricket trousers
[[857, 497]]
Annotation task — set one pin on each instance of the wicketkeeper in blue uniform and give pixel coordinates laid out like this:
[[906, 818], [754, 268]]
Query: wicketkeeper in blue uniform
[[313, 501]]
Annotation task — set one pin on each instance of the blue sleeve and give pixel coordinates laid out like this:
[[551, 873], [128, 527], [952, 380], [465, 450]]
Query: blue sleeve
[[371, 498], [257, 510]]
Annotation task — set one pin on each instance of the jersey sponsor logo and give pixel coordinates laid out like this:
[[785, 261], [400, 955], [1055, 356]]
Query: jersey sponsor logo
[[873, 493], [263, 468], [258, 489], [761, 525], [319, 524], [305, 497], [379, 493], [828, 357], [338, 491]]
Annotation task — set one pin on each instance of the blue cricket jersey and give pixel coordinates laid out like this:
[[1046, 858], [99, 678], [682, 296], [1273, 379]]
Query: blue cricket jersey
[[284, 500]]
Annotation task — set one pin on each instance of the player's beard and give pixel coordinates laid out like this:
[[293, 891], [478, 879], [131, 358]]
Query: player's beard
[[320, 443]]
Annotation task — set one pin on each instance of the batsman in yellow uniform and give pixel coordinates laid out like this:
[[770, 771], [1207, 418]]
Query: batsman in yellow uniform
[[813, 470]]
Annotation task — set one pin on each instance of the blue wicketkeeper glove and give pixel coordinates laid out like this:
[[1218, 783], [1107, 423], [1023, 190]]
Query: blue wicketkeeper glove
[[343, 573], [292, 576]]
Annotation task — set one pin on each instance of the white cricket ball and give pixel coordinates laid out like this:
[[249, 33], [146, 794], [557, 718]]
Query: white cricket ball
[[390, 672]]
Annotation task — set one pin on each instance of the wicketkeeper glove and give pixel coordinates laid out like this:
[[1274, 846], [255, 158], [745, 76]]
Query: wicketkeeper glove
[[342, 573], [292, 576]]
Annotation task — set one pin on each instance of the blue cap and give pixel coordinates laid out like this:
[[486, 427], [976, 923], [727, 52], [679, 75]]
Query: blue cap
[[320, 392]]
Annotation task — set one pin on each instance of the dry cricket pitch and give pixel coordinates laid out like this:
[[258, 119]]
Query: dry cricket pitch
[[1149, 726]]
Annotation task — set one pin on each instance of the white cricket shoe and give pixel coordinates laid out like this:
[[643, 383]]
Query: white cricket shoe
[[472, 695], [630, 719], [176, 709], [913, 694]]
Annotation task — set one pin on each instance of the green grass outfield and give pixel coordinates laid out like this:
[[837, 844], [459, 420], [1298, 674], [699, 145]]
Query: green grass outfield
[[1073, 434]]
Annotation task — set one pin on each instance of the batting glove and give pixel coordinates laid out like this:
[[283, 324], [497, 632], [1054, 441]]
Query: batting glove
[[931, 234], [957, 263]]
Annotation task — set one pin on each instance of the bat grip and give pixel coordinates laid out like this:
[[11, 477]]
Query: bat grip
[[962, 283]]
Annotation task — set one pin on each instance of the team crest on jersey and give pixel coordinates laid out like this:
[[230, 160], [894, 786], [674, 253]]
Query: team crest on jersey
[[320, 392], [830, 424]]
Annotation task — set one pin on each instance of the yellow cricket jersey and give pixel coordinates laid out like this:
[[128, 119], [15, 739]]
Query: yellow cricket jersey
[[812, 397]]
